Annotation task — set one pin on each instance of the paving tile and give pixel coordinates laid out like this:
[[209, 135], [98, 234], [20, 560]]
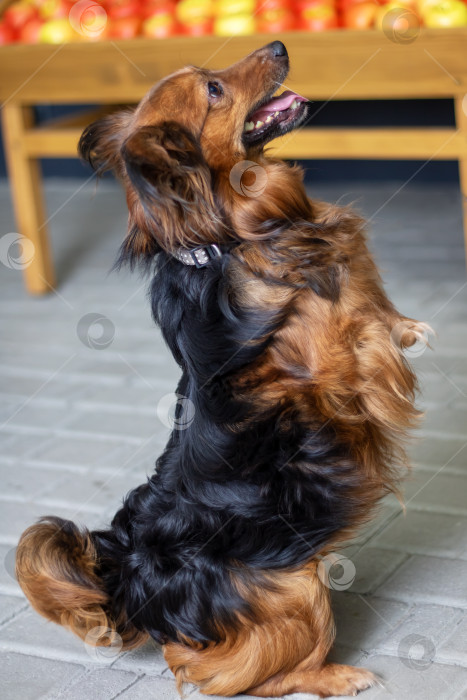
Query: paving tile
[[426, 533], [76, 454], [128, 426], [150, 688], [345, 655], [30, 633], [93, 491], [441, 452], [140, 457], [384, 514], [428, 580], [447, 363], [424, 681], [454, 648], [8, 582], [447, 421], [101, 683], [24, 386], [19, 446], [372, 566], [32, 678], [431, 622], [363, 620], [91, 420], [32, 415], [8, 409], [439, 389], [141, 398], [16, 517], [443, 493], [10, 606], [21, 482], [147, 659]]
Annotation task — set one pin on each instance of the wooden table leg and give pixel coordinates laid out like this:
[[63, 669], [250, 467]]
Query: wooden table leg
[[25, 181], [460, 104]]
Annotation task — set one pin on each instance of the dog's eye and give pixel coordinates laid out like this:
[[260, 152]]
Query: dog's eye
[[214, 90]]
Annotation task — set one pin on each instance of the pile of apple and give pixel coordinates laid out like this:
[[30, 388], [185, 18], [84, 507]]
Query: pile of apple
[[61, 21]]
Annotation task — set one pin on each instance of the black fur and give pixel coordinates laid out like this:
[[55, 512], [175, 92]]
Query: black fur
[[230, 493]]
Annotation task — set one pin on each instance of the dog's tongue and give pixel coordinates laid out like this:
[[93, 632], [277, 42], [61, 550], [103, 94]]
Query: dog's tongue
[[277, 104]]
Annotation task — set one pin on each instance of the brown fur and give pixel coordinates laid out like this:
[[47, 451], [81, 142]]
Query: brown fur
[[335, 358], [55, 567]]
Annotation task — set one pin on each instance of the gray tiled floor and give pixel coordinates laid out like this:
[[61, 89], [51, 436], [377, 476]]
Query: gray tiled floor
[[79, 428]]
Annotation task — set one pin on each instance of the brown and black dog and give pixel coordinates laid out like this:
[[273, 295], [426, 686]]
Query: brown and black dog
[[291, 358]]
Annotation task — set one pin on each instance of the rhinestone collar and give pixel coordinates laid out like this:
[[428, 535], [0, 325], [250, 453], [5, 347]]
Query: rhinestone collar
[[200, 256]]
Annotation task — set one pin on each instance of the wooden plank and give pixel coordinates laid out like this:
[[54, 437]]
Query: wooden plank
[[52, 143], [25, 181], [341, 64], [369, 143], [438, 144], [460, 106]]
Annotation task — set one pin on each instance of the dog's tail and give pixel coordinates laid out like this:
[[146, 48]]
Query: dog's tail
[[57, 568]]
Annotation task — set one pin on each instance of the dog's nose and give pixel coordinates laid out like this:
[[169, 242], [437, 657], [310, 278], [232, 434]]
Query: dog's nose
[[277, 49]]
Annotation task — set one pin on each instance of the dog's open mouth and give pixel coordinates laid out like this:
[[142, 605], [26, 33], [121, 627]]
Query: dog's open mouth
[[275, 117]]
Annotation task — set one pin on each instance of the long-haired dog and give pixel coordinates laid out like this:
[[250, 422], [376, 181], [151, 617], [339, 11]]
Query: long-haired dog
[[300, 395]]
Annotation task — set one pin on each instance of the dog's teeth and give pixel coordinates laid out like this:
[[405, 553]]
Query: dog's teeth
[[276, 114], [269, 119], [294, 105], [249, 126], [258, 124]]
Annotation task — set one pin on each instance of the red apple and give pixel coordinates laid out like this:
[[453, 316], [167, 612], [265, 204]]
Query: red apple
[[154, 7], [275, 21], [447, 13], [7, 35], [122, 28], [235, 25], [400, 23], [235, 7], [318, 17], [360, 16], [56, 31], [29, 34], [160, 26], [120, 9], [201, 28], [194, 11], [55, 9], [265, 5], [18, 14]]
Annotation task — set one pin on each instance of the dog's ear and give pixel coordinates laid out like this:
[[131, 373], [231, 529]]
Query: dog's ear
[[101, 141], [56, 566], [169, 193]]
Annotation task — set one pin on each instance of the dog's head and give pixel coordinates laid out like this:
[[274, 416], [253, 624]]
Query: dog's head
[[177, 150]]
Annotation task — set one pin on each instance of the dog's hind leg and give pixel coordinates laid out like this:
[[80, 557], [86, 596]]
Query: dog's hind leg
[[283, 652], [329, 680]]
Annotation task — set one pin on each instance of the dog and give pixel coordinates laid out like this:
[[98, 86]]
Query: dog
[[301, 398]]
